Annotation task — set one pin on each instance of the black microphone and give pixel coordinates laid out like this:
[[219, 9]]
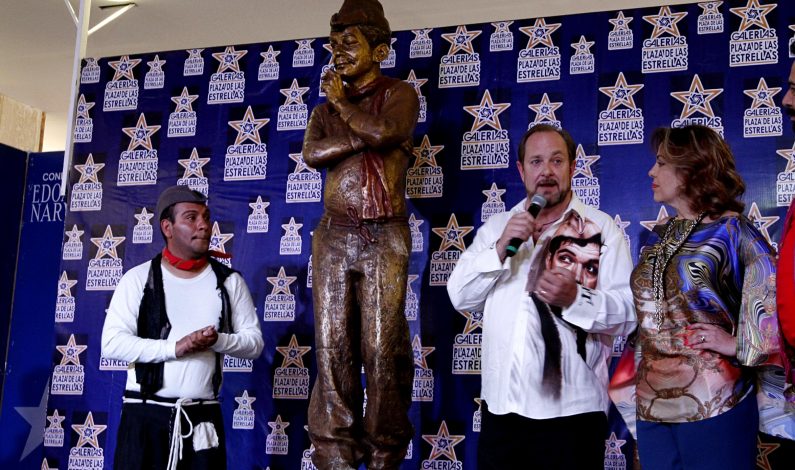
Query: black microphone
[[536, 204]]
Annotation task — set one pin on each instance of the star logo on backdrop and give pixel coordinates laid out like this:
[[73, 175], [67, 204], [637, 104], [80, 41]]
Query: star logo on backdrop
[[421, 352], [461, 40], [293, 353], [194, 53], [291, 228], [123, 67], [479, 402], [278, 426], [426, 153], [218, 239], [106, 244], [789, 155], [227, 60], [762, 95], [245, 401], [613, 445], [697, 99], [71, 351], [452, 235], [421, 34], [665, 22], [545, 110], [710, 8], [65, 285], [621, 93], [281, 282], [327, 47], [493, 194], [33, 415], [300, 164], [764, 450], [258, 207], [270, 55], [414, 223], [55, 420], [487, 112], [89, 171], [583, 163], [443, 443], [45, 465], [761, 222], [753, 14], [141, 134], [540, 33], [582, 47], [411, 279], [304, 44], [144, 217], [193, 164], [416, 82], [474, 321], [74, 234], [156, 65], [184, 101], [248, 127], [502, 26], [294, 94], [622, 225], [89, 432], [621, 22], [662, 216], [83, 107]]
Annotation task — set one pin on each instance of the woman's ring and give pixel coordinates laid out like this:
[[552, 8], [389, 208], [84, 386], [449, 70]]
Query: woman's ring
[[702, 338]]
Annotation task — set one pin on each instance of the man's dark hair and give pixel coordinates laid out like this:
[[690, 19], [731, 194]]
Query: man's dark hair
[[571, 147], [555, 243]]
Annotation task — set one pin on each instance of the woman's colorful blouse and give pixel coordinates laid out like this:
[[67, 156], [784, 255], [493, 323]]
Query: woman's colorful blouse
[[724, 274]]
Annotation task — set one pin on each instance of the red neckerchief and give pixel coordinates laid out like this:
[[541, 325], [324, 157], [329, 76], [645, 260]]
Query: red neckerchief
[[191, 264]]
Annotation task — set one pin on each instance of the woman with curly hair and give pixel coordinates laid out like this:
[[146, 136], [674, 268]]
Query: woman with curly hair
[[704, 290]]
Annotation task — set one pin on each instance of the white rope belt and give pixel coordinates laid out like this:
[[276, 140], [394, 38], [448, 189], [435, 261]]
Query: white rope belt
[[175, 450]]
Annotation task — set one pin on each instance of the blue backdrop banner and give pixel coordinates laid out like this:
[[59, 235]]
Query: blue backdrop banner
[[31, 344], [229, 121]]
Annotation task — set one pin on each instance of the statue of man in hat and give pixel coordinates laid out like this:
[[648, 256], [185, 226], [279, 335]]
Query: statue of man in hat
[[362, 136]]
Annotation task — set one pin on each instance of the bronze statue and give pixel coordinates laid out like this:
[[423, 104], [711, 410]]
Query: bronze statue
[[362, 136]]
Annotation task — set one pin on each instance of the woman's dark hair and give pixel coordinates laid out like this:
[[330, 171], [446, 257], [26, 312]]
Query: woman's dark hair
[[704, 161]]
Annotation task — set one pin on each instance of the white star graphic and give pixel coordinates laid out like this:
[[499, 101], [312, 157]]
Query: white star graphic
[[248, 127], [293, 353], [697, 99], [281, 282], [193, 164], [540, 33], [487, 112], [461, 40], [184, 101], [228, 59], [452, 235], [106, 244], [621, 93], [421, 352], [141, 134], [89, 170], [294, 94], [124, 67]]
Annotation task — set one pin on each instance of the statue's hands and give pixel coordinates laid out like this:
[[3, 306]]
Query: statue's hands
[[334, 88], [197, 341]]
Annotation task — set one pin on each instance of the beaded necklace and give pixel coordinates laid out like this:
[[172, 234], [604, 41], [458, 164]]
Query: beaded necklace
[[670, 243]]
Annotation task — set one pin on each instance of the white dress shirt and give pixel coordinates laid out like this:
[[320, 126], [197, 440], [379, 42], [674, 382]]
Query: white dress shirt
[[191, 304], [513, 348]]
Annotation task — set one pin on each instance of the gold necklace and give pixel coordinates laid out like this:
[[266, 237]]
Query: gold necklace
[[669, 244]]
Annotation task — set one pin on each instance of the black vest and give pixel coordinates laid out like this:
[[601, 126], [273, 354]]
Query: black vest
[[153, 323]]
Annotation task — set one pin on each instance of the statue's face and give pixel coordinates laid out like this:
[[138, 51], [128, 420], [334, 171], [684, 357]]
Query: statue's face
[[351, 53]]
